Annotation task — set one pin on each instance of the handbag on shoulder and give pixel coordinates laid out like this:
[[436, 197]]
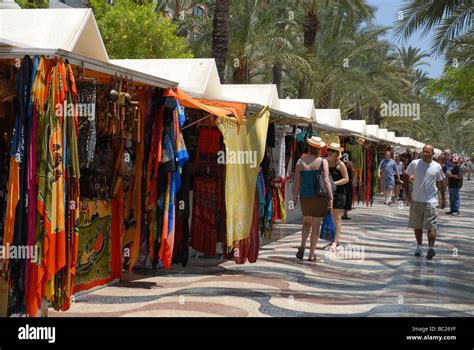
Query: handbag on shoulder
[[320, 186]]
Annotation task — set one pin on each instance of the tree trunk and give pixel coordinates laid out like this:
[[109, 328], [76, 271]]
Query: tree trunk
[[371, 118], [220, 36], [241, 72], [277, 76], [326, 100], [377, 117], [312, 26]]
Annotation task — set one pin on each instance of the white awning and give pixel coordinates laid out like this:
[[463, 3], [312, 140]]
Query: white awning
[[357, 126], [391, 136], [383, 134], [73, 30], [372, 130], [197, 77], [329, 117], [299, 108], [406, 141], [261, 94]]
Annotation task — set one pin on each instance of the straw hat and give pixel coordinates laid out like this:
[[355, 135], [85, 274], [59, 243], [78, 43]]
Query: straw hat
[[336, 146], [316, 142]]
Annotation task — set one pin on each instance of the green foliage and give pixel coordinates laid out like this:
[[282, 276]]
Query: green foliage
[[130, 30], [33, 4], [456, 85]]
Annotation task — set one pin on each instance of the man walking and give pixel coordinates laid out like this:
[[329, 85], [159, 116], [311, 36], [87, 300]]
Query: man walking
[[399, 183], [388, 172], [426, 176], [455, 177]]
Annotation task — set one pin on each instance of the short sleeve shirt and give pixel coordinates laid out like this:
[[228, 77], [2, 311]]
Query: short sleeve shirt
[[426, 176], [388, 168]]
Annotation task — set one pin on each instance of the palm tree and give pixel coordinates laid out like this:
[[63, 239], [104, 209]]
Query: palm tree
[[315, 12], [449, 18], [411, 58], [220, 35]]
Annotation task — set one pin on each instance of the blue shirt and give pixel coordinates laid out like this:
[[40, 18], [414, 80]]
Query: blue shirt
[[388, 168]]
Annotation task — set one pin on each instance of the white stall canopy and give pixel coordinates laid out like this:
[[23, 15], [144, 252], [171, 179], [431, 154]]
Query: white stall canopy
[[329, 119], [391, 136], [73, 30], [383, 134], [197, 77], [372, 130], [355, 126], [300, 108], [404, 141], [260, 94]]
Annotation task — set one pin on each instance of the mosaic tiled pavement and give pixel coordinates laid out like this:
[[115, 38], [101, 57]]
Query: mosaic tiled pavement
[[377, 276]]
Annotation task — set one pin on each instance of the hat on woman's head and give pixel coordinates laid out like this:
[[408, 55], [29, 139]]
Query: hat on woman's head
[[316, 142], [336, 146]]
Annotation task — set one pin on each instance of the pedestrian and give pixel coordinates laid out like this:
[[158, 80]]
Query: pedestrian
[[314, 207], [338, 171], [426, 176], [398, 180], [387, 173], [470, 167], [349, 188], [455, 180]]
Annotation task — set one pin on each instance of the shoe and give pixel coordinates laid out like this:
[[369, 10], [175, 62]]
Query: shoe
[[300, 253], [344, 217], [449, 213], [419, 251], [455, 213], [431, 254], [315, 259]]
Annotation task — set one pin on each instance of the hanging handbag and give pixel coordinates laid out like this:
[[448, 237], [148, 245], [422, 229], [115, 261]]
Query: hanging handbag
[[328, 229], [320, 186]]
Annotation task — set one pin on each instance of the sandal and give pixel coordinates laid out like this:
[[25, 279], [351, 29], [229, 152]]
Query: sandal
[[300, 253], [332, 249], [327, 246], [315, 259]]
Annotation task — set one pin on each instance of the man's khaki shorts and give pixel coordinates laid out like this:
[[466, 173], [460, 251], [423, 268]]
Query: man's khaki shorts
[[422, 216]]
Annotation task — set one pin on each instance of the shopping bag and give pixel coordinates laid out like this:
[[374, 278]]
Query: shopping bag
[[328, 229]]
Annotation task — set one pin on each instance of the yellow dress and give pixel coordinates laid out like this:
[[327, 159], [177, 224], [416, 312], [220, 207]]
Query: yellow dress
[[245, 148]]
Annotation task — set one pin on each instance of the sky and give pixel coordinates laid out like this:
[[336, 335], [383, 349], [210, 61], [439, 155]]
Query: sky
[[387, 13]]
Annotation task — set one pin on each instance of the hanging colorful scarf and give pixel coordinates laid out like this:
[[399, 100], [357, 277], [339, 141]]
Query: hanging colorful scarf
[[50, 227], [179, 152], [65, 280]]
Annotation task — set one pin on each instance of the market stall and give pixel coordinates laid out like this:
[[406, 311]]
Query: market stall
[[73, 142]]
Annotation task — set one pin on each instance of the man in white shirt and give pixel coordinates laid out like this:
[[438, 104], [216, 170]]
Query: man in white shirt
[[427, 177]]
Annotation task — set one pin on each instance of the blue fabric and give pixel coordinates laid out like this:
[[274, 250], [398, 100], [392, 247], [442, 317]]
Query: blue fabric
[[454, 199], [388, 168], [181, 115], [261, 195], [307, 187], [328, 229]]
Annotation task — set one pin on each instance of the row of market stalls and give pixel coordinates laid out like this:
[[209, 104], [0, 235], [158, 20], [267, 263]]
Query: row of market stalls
[[110, 165]]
